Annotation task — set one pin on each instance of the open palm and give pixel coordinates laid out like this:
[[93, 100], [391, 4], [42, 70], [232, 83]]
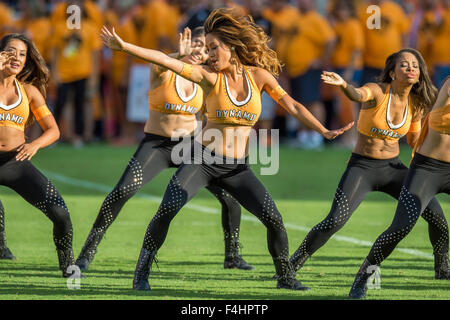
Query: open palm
[[332, 134], [5, 57], [111, 39], [332, 78], [184, 43]]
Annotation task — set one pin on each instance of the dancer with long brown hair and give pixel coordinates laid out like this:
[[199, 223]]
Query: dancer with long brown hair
[[428, 175], [174, 104], [391, 109], [23, 82], [242, 66]]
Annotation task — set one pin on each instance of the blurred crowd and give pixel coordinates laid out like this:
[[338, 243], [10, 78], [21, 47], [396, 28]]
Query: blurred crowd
[[89, 87]]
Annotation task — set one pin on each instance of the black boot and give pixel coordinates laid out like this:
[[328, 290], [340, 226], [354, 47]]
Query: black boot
[[359, 287], [5, 253], [441, 269], [286, 275], [232, 258], [297, 261], [89, 250], [140, 281]]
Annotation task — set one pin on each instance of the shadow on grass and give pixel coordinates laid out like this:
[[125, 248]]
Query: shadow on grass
[[103, 292]]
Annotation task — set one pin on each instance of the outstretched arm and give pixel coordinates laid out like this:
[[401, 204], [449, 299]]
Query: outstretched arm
[[191, 72], [363, 94], [296, 109]]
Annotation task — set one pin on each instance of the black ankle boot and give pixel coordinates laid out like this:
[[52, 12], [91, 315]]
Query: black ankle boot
[[297, 262], [441, 269], [140, 281], [89, 250], [359, 287], [286, 275], [232, 258], [5, 253]]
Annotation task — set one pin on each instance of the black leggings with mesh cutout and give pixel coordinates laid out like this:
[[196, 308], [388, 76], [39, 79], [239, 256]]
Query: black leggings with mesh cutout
[[153, 155], [35, 188], [362, 176], [426, 178], [235, 178]]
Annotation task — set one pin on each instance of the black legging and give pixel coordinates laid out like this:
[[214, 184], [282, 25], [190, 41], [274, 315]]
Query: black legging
[[151, 157], [34, 187], [364, 175], [238, 180], [426, 178]]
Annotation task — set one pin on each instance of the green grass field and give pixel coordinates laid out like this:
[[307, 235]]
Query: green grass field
[[191, 260]]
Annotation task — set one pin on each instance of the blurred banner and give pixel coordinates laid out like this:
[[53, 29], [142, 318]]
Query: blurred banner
[[137, 102]]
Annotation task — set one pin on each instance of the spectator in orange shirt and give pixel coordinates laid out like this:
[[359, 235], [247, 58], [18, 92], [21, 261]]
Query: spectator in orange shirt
[[161, 17], [283, 18], [431, 30], [307, 54], [120, 17], [347, 59], [75, 68], [6, 20], [383, 40], [35, 23]]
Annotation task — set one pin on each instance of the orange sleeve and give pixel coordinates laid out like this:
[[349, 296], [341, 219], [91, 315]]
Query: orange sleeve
[[277, 93], [186, 72], [40, 112]]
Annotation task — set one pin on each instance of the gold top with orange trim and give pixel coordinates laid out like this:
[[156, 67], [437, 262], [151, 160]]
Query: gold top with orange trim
[[375, 122], [222, 108], [168, 98], [440, 119], [16, 115]]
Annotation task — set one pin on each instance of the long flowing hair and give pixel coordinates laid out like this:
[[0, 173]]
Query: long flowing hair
[[423, 93], [249, 40], [35, 70]]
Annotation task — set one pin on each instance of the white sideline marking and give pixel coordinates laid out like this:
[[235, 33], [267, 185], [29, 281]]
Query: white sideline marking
[[104, 188]]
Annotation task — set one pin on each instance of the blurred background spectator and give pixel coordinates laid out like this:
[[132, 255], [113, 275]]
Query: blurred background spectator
[[90, 86]]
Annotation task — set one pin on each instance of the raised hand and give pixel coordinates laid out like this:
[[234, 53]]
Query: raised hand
[[111, 40], [332, 134], [184, 43], [5, 57], [332, 78]]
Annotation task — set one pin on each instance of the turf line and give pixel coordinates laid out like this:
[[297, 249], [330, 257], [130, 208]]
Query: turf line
[[104, 188]]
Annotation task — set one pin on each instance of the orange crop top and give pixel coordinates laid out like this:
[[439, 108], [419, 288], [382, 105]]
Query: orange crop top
[[167, 98], [16, 115], [440, 119], [375, 122], [222, 108]]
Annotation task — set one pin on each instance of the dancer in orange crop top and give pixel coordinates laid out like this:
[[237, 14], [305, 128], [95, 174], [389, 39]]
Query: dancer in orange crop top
[[241, 67], [391, 109], [428, 175], [23, 81], [174, 103]]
